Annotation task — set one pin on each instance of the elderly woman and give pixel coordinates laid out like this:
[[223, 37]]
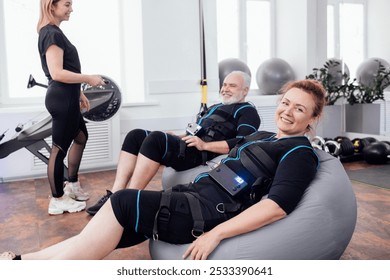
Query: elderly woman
[[213, 207]]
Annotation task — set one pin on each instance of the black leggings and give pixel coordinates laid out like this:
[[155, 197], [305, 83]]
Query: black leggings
[[164, 148], [63, 103], [136, 210]]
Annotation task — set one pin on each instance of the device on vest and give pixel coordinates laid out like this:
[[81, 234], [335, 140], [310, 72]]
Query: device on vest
[[193, 129], [228, 179]]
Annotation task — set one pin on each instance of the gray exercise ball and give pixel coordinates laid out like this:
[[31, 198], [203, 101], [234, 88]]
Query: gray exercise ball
[[272, 74], [228, 65], [336, 71], [367, 70], [320, 227]]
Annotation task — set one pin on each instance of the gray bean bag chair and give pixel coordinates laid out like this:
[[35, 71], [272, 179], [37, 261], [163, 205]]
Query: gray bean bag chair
[[319, 228]]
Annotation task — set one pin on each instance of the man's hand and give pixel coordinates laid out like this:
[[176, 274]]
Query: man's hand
[[194, 141]]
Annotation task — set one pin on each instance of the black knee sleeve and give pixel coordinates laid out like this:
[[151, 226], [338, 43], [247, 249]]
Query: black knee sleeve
[[134, 140], [156, 146]]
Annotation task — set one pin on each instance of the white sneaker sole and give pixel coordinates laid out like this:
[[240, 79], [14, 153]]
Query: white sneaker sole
[[59, 211], [75, 197]]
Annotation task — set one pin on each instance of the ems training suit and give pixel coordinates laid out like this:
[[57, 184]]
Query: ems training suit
[[220, 122], [296, 166], [63, 103]]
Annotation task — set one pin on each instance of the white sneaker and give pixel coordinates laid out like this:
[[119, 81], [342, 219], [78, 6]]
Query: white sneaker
[[63, 204], [74, 190], [7, 256]]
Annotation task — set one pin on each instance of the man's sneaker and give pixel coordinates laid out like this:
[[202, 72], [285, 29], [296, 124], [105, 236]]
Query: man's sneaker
[[74, 190], [63, 204], [7, 256], [95, 208]]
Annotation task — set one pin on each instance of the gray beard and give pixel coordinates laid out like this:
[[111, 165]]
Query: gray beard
[[232, 100]]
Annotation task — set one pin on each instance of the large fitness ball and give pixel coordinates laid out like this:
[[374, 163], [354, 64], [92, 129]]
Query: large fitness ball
[[228, 65], [376, 153], [272, 74], [336, 71], [367, 70]]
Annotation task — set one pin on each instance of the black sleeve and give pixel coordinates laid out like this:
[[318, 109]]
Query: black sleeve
[[293, 175], [248, 122], [52, 38]]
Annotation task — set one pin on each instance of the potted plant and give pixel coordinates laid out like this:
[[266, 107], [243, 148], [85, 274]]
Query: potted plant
[[335, 79], [362, 115]]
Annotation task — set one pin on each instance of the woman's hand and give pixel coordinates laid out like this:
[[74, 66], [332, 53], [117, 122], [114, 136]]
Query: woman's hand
[[84, 103], [194, 141], [95, 80], [203, 246]]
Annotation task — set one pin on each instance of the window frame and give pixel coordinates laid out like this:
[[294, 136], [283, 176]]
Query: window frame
[[242, 32], [337, 28], [127, 36]]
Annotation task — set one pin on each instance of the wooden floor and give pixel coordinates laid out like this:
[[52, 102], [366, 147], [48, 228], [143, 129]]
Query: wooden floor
[[25, 225]]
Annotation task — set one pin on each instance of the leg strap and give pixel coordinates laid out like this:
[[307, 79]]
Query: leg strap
[[182, 149], [163, 214], [161, 219], [196, 212]]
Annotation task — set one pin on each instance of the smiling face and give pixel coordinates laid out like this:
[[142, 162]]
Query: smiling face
[[233, 89], [294, 113], [62, 10]]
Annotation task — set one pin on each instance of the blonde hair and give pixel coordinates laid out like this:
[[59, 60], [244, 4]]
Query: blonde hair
[[46, 15]]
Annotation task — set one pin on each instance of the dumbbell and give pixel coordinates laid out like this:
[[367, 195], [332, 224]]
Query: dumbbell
[[319, 143], [377, 152], [360, 143], [341, 146]]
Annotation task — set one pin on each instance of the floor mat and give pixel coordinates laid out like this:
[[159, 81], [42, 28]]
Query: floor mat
[[377, 176]]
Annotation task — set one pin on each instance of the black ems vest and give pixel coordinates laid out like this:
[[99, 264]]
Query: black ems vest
[[219, 122]]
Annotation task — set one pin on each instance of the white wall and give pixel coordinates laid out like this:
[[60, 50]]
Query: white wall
[[172, 63]]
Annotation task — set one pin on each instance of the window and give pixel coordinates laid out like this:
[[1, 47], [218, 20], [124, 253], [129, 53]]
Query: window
[[331, 47], [20, 42], [346, 32], [244, 31], [103, 45]]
